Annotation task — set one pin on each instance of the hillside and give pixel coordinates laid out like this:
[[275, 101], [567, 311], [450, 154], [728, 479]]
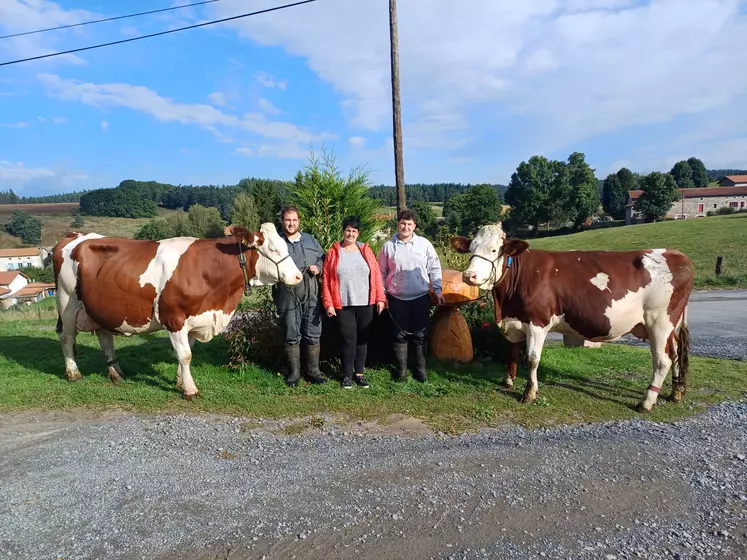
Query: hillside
[[56, 219], [701, 239]]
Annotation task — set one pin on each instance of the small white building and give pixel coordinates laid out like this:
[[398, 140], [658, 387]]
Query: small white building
[[16, 287], [17, 259]]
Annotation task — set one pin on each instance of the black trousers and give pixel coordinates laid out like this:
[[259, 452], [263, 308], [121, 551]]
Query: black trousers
[[354, 325], [410, 316]]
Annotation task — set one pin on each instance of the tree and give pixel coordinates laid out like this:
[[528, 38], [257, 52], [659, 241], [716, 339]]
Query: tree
[[267, 200], [203, 222], [244, 212], [583, 196], [659, 193], [628, 179], [324, 197], [426, 217], [481, 206], [78, 221], [699, 172], [614, 196], [454, 210], [536, 191], [683, 175], [24, 225], [117, 203]]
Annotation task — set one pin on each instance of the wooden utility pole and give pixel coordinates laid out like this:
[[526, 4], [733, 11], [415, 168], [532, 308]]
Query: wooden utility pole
[[399, 170]]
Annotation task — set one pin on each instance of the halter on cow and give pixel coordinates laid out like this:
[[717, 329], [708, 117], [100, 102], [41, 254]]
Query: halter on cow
[[596, 295], [190, 287]]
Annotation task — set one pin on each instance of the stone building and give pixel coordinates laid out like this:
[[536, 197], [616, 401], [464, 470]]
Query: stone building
[[694, 203]]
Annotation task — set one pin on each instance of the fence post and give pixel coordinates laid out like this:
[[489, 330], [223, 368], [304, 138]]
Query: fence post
[[719, 261]]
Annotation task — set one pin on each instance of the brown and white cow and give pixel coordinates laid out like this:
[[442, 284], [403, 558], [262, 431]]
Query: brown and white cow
[[190, 287], [597, 295]]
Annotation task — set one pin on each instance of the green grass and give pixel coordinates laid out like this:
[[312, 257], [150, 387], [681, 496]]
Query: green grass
[[576, 385], [701, 239]]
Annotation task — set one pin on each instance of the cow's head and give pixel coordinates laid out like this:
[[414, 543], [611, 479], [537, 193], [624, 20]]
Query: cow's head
[[274, 264], [489, 250]]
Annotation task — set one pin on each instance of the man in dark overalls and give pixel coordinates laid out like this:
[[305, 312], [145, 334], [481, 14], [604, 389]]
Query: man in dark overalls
[[299, 306]]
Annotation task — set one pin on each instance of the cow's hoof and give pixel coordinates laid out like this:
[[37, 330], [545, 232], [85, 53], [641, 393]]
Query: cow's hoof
[[528, 398], [178, 382], [642, 408], [114, 377], [676, 396], [74, 376], [508, 385], [192, 396]]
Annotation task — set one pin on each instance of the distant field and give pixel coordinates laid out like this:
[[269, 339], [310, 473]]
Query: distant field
[[56, 219], [702, 239]]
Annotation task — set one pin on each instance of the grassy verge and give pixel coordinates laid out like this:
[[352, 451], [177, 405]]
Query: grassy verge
[[702, 239], [576, 385]]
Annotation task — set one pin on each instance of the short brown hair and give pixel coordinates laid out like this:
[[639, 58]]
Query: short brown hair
[[289, 208], [407, 215]]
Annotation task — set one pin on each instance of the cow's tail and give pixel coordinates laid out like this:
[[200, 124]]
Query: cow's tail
[[683, 356]]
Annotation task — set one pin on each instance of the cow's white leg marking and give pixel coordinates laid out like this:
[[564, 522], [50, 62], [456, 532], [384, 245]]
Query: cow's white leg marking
[[180, 342], [191, 340], [106, 340], [535, 342], [67, 340], [659, 330]]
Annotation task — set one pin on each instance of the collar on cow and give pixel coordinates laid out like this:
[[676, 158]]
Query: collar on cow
[[242, 264], [509, 260]]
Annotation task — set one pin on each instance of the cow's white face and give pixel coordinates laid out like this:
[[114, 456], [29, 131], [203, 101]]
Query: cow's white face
[[486, 256], [274, 263]]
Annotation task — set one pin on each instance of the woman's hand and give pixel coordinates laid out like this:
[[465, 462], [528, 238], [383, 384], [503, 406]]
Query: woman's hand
[[331, 311], [380, 307]]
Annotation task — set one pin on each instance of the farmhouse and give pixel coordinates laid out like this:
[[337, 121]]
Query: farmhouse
[[15, 259], [16, 287], [695, 203], [733, 181]]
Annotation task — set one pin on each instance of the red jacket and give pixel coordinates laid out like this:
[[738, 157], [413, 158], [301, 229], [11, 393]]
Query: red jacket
[[331, 283]]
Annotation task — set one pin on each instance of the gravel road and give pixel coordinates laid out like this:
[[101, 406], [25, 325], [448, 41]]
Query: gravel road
[[118, 485]]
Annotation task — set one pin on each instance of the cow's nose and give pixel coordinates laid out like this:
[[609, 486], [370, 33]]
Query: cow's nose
[[470, 276], [298, 277]]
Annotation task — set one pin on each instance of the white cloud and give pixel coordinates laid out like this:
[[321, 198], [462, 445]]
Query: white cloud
[[18, 173], [265, 80], [20, 124], [59, 120], [572, 68], [217, 98], [104, 125], [17, 16], [267, 107], [357, 141], [285, 150], [47, 179], [140, 98]]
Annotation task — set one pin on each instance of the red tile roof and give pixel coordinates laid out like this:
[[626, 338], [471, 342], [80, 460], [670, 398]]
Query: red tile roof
[[7, 276], [27, 252], [698, 193], [737, 178]]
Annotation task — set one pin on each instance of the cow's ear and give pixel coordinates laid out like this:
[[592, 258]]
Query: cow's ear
[[460, 244], [513, 247]]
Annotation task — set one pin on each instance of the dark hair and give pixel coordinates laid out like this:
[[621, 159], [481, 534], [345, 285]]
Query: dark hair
[[289, 208], [407, 215], [351, 221]]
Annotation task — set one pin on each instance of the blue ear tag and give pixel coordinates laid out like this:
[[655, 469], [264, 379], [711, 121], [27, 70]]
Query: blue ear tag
[[509, 263]]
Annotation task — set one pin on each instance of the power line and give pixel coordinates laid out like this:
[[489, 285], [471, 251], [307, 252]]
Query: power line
[[276, 8], [107, 19]]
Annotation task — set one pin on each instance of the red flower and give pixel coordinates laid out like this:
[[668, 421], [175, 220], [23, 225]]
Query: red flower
[[482, 304], [485, 325]]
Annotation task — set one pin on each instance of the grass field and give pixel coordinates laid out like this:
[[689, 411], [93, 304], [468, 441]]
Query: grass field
[[701, 239], [576, 384], [56, 219]]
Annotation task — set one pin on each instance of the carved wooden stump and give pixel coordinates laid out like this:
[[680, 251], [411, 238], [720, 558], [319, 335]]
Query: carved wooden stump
[[450, 338]]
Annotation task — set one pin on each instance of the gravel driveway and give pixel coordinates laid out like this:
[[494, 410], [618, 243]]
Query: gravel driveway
[[118, 485]]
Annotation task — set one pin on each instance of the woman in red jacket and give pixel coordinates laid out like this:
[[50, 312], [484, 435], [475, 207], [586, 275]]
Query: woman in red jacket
[[351, 288]]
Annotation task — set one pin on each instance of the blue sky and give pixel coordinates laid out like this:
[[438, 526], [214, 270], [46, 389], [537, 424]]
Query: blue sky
[[485, 85]]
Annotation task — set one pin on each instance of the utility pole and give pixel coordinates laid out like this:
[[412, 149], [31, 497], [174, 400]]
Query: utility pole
[[399, 170]]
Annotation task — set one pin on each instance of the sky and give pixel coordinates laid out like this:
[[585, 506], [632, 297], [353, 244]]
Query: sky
[[485, 85]]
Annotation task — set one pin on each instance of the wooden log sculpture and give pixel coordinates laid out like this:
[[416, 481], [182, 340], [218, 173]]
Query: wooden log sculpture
[[450, 338]]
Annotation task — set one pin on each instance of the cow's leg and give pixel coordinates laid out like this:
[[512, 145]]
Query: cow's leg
[[180, 342], [68, 331], [179, 370], [513, 361], [535, 342], [672, 344], [106, 340], [661, 363]]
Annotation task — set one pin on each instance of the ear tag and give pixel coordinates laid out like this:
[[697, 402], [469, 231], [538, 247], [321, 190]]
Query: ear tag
[[509, 262], [244, 241]]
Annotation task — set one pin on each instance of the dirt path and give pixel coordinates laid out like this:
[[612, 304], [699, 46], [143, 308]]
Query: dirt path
[[118, 485]]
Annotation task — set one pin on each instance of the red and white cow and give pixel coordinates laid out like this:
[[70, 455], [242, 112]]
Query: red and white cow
[[190, 287], [596, 295]]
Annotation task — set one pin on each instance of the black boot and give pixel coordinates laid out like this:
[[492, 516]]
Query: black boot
[[400, 357], [293, 357], [313, 374], [418, 370]]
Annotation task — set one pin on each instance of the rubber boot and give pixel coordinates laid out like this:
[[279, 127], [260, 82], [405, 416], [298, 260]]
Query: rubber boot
[[400, 357], [418, 371], [293, 357], [313, 374]]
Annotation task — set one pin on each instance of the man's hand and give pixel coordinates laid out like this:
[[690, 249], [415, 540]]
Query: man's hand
[[440, 299], [314, 269]]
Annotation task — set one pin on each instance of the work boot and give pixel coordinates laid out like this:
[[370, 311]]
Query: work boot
[[293, 357], [418, 369], [400, 357], [313, 374]]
